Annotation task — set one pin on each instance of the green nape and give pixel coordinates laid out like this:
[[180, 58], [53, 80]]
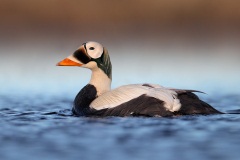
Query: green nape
[[104, 63]]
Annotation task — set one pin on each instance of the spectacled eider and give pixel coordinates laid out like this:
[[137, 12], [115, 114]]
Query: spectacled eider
[[97, 98]]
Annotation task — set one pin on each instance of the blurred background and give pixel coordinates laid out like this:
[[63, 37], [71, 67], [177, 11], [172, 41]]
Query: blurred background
[[189, 44]]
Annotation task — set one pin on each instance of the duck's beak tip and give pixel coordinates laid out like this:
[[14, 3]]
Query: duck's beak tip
[[68, 62]]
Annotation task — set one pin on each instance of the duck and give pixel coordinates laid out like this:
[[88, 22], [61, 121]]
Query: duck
[[146, 99]]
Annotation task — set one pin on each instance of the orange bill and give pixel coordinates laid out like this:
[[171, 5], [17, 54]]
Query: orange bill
[[68, 62]]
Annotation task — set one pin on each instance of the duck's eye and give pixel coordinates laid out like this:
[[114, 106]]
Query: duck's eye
[[94, 49]]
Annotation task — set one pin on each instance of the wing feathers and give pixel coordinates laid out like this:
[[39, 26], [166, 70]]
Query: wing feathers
[[149, 100], [140, 106], [126, 93]]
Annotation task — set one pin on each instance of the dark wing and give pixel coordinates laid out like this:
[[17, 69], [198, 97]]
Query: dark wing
[[140, 106]]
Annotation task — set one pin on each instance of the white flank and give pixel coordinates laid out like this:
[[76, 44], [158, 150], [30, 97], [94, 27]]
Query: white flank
[[126, 93]]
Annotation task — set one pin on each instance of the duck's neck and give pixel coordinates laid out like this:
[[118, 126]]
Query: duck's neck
[[101, 81]]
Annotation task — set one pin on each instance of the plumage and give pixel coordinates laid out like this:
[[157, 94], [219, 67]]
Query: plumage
[[97, 98], [140, 106], [191, 104], [126, 93]]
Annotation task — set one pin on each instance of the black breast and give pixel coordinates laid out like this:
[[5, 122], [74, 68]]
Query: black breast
[[83, 100]]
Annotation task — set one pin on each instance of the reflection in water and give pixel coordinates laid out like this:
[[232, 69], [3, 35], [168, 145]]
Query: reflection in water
[[47, 127]]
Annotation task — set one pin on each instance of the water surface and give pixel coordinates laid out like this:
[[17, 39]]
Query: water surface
[[42, 127]]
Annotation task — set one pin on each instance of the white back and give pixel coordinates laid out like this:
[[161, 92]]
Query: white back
[[126, 93]]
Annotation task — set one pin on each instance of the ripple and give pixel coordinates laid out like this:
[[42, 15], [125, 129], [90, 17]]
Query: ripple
[[235, 111], [48, 128]]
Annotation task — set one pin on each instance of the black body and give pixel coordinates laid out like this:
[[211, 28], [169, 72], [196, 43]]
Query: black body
[[140, 106]]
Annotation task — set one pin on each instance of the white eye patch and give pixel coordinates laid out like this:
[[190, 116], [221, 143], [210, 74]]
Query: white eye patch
[[94, 49]]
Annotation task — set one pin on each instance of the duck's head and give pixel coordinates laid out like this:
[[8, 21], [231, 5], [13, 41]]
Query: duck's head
[[90, 55]]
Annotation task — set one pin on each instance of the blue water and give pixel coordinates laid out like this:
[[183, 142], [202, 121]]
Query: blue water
[[42, 127]]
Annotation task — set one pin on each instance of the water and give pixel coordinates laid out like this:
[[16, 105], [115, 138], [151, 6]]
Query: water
[[41, 127]]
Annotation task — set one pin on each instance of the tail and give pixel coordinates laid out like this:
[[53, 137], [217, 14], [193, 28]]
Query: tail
[[191, 104]]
